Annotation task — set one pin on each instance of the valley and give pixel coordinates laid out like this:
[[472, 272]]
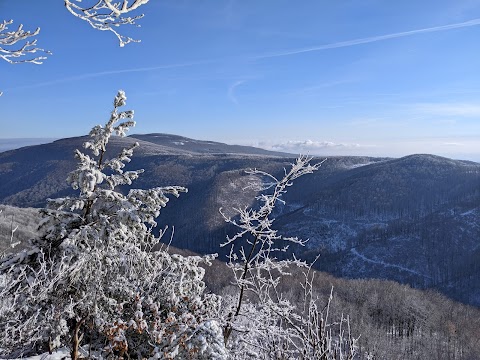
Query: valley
[[414, 220]]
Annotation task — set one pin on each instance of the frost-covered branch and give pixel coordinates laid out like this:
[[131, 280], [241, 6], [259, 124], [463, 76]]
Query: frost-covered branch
[[255, 226], [124, 7], [19, 46], [260, 320], [107, 15]]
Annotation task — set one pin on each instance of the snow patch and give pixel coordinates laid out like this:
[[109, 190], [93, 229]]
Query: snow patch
[[364, 258], [470, 212], [354, 166], [57, 355]]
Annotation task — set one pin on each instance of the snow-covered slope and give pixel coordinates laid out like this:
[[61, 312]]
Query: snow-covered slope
[[413, 219]]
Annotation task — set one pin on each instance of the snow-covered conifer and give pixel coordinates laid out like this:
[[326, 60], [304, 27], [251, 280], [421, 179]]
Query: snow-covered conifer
[[93, 278]]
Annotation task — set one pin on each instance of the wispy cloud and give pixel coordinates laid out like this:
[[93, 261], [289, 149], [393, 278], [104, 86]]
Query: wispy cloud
[[312, 147], [317, 89], [252, 57], [231, 91], [455, 144], [366, 122], [447, 122], [458, 147], [314, 144], [372, 39], [87, 76], [448, 109]]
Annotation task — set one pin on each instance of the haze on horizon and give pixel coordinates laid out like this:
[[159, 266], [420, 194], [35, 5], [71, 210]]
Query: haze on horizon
[[343, 78]]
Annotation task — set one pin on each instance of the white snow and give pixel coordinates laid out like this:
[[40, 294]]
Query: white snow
[[354, 166], [470, 212], [57, 355]]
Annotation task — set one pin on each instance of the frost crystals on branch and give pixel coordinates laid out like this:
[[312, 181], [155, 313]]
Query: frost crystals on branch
[[24, 46], [19, 46], [106, 15], [93, 278], [263, 322]]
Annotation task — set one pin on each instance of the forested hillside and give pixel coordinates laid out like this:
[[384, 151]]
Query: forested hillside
[[412, 220], [395, 321], [118, 245]]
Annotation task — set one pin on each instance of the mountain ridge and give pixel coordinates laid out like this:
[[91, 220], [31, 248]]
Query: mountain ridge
[[367, 217]]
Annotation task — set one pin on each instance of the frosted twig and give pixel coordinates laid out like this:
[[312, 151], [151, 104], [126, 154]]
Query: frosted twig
[[106, 15], [19, 46], [27, 46]]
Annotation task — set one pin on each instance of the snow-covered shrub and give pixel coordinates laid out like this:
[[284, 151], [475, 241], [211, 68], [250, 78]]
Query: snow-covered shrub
[[261, 322], [93, 278], [93, 283]]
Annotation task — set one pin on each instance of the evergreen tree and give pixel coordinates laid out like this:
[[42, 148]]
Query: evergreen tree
[[93, 277]]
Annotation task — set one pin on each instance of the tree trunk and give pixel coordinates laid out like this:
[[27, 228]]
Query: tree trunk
[[76, 339]]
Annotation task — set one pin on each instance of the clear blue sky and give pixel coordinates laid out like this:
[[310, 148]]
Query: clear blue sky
[[356, 77]]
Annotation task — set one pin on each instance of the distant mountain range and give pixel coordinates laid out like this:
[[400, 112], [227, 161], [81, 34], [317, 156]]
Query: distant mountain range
[[203, 147], [15, 143], [414, 220]]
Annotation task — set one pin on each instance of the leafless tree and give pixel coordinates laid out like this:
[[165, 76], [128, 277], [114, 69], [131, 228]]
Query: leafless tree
[[260, 321]]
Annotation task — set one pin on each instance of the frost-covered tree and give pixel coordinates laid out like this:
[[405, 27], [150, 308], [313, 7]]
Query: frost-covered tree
[[93, 283], [261, 322]]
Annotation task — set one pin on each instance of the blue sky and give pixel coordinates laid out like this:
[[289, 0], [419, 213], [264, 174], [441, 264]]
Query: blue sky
[[363, 77]]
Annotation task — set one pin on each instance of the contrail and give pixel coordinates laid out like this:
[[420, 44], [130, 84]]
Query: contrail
[[110, 72], [474, 22], [231, 91], [372, 39]]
